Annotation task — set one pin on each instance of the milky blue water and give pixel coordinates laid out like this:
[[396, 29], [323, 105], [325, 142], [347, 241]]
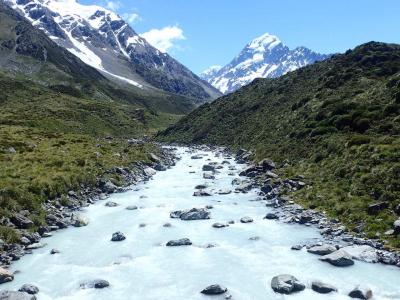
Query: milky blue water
[[143, 268]]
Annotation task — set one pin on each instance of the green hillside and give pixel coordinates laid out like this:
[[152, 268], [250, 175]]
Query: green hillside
[[337, 122]]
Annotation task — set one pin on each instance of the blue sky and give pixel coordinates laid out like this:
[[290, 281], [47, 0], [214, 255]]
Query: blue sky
[[201, 33]]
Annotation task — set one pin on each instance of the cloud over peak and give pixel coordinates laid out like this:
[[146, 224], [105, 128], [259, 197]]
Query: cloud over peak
[[165, 38]]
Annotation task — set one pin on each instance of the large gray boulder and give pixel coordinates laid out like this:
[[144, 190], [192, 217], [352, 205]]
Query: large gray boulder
[[322, 288], [11, 295], [214, 289], [286, 284], [6, 275], [322, 250], [361, 293], [338, 258], [180, 242], [21, 221], [208, 175], [29, 288]]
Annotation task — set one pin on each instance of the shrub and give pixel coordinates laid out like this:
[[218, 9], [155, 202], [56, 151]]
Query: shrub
[[358, 140]]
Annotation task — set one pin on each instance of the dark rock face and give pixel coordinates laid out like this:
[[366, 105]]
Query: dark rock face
[[396, 226], [11, 295], [118, 237], [29, 288], [322, 288], [21, 221], [374, 209], [214, 289], [338, 258], [286, 284], [361, 293], [180, 242], [95, 284]]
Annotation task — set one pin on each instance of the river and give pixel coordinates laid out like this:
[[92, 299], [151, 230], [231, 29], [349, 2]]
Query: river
[[142, 267]]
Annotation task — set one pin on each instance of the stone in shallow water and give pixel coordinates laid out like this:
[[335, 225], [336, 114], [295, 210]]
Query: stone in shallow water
[[214, 289], [246, 220], [111, 204], [286, 284], [132, 207], [322, 250], [271, 216], [95, 284], [361, 293], [29, 288], [191, 214], [118, 237], [322, 288], [338, 258], [219, 225], [11, 295], [5, 275], [54, 251], [297, 247], [180, 242]]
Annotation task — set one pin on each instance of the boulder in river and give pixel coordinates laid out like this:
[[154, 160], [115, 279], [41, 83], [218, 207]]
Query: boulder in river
[[180, 242], [286, 284], [80, 221], [118, 237], [224, 191], [29, 288], [338, 258], [219, 225], [322, 288], [191, 214], [322, 250], [95, 284], [149, 172], [6, 275], [363, 253], [201, 187], [271, 216], [246, 220], [208, 168], [131, 207], [214, 289], [208, 175], [361, 293], [202, 193], [111, 204], [54, 251], [11, 295], [297, 247]]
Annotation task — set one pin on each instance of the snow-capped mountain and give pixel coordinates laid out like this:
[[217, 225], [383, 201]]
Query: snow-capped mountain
[[264, 57], [103, 40]]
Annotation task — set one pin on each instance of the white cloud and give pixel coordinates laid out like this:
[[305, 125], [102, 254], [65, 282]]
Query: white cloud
[[113, 5], [165, 38], [132, 18]]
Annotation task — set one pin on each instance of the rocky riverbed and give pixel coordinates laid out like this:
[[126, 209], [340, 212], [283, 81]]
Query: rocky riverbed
[[199, 230]]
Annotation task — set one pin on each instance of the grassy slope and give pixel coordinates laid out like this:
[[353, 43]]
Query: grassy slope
[[337, 122]]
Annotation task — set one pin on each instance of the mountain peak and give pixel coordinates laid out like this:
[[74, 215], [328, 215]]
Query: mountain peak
[[264, 42], [264, 57]]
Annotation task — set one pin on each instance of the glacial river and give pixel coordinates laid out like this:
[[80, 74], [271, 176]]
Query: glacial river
[[143, 268]]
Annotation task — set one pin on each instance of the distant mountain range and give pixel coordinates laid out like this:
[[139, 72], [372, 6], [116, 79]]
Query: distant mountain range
[[103, 40], [264, 57]]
